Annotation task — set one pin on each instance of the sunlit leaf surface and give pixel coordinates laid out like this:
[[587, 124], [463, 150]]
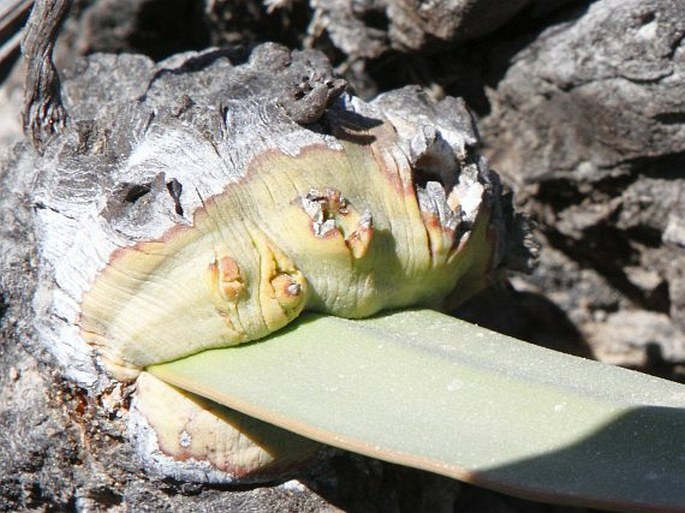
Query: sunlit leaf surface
[[429, 391]]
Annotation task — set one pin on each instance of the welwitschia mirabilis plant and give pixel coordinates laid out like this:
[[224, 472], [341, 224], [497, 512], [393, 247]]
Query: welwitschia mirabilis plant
[[205, 205]]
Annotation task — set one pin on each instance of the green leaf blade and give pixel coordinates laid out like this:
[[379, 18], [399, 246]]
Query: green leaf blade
[[423, 389]]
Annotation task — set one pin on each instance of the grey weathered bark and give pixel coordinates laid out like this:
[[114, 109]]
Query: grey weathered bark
[[43, 114], [111, 179], [65, 422], [593, 136]]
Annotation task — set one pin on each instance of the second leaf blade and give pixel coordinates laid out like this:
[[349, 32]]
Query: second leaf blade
[[423, 389]]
